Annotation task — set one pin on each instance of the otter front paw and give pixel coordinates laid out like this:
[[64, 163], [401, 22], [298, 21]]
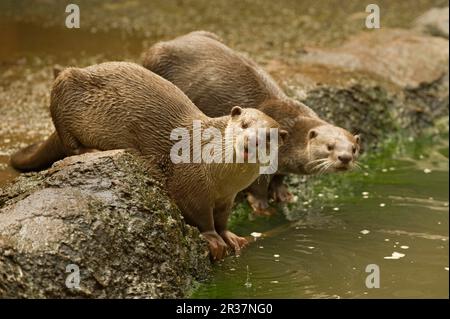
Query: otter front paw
[[234, 241], [260, 206], [217, 247], [282, 194]]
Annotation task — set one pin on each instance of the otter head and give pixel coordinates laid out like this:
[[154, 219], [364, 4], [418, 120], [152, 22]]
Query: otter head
[[251, 128], [331, 149]]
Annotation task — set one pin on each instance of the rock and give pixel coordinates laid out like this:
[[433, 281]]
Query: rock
[[103, 213], [434, 21], [377, 83], [405, 58]]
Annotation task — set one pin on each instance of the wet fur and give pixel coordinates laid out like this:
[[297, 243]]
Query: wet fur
[[119, 105], [215, 78]]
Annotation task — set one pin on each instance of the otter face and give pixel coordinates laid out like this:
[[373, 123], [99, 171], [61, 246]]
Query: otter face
[[331, 149], [251, 128]]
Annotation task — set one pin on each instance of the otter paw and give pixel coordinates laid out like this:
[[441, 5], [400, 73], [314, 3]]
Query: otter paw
[[259, 206], [234, 241], [282, 194], [217, 247]]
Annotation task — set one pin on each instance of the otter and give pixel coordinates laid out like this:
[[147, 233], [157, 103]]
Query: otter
[[215, 78], [121, 105]]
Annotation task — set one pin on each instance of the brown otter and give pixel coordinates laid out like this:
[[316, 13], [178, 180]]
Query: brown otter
[[215, 78], [119, 105]]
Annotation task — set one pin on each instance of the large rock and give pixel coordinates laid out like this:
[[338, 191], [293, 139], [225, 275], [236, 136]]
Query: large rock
[[434, 22], [104, 214], [377, 83]]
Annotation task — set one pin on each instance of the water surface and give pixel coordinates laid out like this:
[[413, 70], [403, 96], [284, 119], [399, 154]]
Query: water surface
[[400, 210]]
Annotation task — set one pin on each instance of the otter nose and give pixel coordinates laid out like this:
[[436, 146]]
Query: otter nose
[[345, 158]]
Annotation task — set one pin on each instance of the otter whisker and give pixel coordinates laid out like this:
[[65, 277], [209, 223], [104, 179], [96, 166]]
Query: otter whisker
[[357, 165], [325, 167], [322, 170], [316, 162], [320, 165]]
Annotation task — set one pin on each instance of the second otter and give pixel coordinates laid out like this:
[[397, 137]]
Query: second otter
[[216, 77], [123, 105]]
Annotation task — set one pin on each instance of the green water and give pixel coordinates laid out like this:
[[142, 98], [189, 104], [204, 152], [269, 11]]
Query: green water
[[398, 208]]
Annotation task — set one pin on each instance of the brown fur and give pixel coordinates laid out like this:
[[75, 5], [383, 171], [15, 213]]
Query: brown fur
[[216, 77], [121, 105]]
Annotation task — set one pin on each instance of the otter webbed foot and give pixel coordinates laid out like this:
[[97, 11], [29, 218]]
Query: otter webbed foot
[[281, 193], [260, 206], [217, 246], [234, 241]]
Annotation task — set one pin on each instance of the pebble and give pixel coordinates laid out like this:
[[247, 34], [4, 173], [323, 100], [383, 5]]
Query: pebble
[[336, 209], [404, 247], [382, 205], [276, 256], [427, 171], [365, 231]]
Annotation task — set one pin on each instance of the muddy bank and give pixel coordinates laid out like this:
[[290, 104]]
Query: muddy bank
[[103, 213], [263, 28]]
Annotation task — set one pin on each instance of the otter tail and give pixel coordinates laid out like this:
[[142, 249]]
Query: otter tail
[[39, 155]]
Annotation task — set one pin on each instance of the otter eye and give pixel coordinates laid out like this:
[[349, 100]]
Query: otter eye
[[330, 147], [244, 125]]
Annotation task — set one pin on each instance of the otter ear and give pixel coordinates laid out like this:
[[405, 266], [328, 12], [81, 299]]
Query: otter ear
[[312, 134], [236, 111], [57, 69], [358, 139], [284, 136]]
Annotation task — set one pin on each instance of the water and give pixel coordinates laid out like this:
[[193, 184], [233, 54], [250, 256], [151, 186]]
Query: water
[[325, 254]]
